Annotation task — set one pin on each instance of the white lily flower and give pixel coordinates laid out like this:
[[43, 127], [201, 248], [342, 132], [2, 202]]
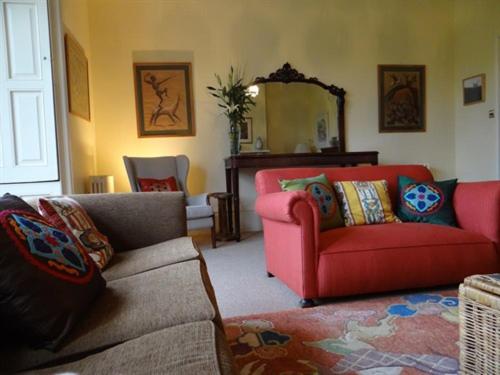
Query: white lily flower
[[232, 108]]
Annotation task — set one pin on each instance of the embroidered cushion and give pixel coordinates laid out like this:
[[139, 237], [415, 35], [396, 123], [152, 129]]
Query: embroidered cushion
[[67, 215], [365, 202], [322, 191], [426, 202], [48, 281], [151, 184]]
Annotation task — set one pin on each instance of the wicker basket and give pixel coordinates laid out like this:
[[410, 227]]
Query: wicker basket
[[480, 325]]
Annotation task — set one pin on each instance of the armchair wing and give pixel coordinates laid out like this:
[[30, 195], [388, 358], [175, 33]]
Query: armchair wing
[[477, 207], [291, 226]]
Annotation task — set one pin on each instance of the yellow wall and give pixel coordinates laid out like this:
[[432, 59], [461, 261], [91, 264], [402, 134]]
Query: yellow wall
[[477, 43], [82, 132], [339, 41]]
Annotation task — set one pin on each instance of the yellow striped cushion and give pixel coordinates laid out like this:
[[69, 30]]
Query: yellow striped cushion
[[365, 202]]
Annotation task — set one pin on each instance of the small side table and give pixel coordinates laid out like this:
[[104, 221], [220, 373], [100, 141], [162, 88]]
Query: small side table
[[225, 214]]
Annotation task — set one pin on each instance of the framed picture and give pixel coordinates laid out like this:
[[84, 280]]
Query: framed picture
[[474, 89], [321, 131], [401, 98], [77, 76], [164, 99], [246, 131]]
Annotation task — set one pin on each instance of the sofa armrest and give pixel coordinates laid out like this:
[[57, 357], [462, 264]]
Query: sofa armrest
[[135, 220], [198, 200], [291, 239], [477, 207], [281, 206]]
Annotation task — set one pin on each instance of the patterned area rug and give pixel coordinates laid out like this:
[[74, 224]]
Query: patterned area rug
[[408, 334]]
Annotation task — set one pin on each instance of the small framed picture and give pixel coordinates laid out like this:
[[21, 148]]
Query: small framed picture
[[246, 131], [321, 130], [473, 88]]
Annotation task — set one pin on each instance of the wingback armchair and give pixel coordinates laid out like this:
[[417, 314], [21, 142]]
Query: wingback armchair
[[198, 210]]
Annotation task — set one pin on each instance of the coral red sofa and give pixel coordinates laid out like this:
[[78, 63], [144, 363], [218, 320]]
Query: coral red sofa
[[374, 258]]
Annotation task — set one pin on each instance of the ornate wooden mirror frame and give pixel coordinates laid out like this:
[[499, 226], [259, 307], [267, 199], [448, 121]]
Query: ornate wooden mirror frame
[[287, 74]]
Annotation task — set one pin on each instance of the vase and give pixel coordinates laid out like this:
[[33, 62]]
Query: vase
[[234, 138]]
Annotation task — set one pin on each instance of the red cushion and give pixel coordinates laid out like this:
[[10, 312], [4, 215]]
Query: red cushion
[[152, 184], [374, 258]]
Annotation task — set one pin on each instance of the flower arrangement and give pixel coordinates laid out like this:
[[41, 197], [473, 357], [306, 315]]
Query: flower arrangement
[[236, 100]]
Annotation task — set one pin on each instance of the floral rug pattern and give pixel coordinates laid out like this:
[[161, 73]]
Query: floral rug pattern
[[395, 335]]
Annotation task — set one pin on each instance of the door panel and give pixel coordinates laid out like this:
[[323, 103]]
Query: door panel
[[30, 142], [23, 45], [28, 147]]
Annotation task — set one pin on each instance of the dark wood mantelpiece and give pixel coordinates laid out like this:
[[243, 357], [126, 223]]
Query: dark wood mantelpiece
[[261, 160]]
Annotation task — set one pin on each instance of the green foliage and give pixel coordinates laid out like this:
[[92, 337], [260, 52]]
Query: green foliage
[[232, 97]]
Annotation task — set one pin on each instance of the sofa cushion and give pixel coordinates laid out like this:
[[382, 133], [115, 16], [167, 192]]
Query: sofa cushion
[[48, 281], [184, 349], [399, 256], [132, 262], [131, 221], [153, 184], [426, 202], [365, 202], [324, 195], [129, 308], [67, 215]]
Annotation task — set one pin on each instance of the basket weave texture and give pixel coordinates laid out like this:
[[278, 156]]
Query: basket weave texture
[[479, 308]]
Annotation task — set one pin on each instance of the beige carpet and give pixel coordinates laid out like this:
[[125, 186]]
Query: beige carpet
[[238, 274]]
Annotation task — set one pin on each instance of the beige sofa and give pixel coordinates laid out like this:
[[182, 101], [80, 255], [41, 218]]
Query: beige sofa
[[158, 313]]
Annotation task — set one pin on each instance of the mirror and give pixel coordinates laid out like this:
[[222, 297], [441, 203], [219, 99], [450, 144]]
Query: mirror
[[294, 114]]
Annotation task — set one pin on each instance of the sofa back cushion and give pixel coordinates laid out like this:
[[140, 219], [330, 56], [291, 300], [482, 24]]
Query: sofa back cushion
[[267, 181], [135, 220]]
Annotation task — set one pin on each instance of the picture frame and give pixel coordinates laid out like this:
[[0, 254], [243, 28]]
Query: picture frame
[[164, 99], [322, 131], [401, 98], [246, 131], [77, 78], [474, 89]]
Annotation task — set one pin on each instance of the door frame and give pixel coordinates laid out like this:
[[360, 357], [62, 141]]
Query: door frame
[[61, 109]]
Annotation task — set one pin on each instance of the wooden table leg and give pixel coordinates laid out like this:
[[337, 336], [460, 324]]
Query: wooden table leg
[[235, 180], [229, 189]]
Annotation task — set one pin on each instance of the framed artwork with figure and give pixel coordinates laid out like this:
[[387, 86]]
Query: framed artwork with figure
[[164, 99], [401, 98]]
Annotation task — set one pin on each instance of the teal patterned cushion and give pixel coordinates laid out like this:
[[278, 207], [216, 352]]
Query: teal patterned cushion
[[322, 191], [426, 202]]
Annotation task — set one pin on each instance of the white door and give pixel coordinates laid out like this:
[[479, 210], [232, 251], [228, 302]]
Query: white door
[[28, 144]]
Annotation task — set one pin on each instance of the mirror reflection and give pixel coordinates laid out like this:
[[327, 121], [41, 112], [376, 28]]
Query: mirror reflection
[[291, 117]]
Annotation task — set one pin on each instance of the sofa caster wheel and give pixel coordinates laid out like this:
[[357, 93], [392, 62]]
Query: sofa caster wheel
[[269, 274], [307, 302]]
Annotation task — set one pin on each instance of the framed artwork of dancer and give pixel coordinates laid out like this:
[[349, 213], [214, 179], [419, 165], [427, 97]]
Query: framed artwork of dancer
[[164, 99], [401, 98]]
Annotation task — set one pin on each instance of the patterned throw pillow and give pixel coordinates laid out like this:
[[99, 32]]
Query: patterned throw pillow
[[426, 202], [365, 202], [67, 215], [151, 184], [48, 281], [321, 190]]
